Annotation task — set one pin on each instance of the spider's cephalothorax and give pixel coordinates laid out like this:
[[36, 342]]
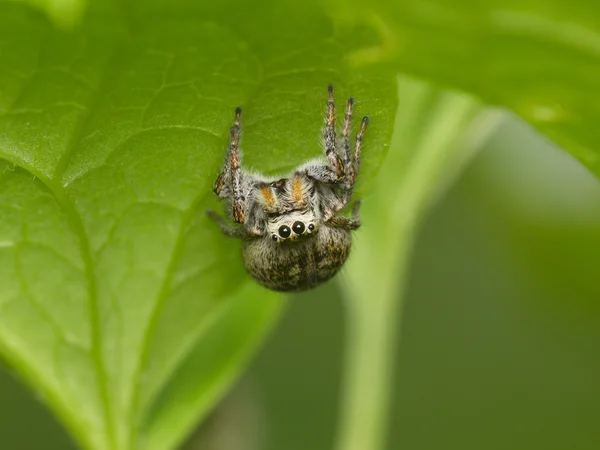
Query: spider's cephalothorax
[[292, 237]]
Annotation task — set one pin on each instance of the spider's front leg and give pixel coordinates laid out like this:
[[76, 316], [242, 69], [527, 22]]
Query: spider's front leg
[[351, 162], [230, 185], [222, 184], [226, 229], [356, 160], [251, 229], [229, 181], [344, 222], [334, 171], [345, 150]]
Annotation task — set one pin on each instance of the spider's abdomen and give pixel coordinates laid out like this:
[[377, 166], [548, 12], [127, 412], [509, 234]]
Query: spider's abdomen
[[299, 265]]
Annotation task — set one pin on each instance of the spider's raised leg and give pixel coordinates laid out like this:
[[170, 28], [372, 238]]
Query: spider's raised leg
[[356, 160], [237, 203], [222, 185], [334, 171], [347, 156], [345, 143], [229, 181], [353, 163], [335, 162]]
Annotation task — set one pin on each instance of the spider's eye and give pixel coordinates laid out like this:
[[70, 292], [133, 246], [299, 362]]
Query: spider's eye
[[311, 227], [298, 227], [279, 183], [284, 231], [274, 237]]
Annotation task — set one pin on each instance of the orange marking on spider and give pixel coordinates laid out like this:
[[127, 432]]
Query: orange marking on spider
[[297, 192], [267, 194]]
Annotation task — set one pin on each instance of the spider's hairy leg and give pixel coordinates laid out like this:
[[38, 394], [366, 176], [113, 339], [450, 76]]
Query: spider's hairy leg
[[335, 162], [330, 201], [322, 173], [344, 222], [356, 160], [233, 166], [227, 229], [222, 184], [345, 150], [334, 172]]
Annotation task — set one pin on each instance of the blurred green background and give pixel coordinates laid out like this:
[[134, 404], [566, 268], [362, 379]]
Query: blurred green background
[[500, 340]]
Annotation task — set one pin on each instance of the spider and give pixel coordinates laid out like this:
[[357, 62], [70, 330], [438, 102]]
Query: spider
[[292, 236]]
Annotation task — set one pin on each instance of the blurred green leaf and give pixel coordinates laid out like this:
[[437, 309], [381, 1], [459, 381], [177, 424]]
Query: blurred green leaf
[[120, 302], [64, 13], [435, 132], [540, 58]]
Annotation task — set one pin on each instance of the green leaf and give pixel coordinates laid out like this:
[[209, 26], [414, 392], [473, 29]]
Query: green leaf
[[64, 13], [540, 58], [120, 302]]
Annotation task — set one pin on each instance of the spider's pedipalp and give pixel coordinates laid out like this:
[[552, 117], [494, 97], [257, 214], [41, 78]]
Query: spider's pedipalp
[[220, 186]]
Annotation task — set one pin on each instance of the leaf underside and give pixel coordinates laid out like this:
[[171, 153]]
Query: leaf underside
[[121, 303]]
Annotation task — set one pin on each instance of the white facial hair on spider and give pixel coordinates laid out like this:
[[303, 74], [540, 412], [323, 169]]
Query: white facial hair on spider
[[292, 237]]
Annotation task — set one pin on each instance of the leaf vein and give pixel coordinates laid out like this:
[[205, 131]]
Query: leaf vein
[[162, 296], [86, 254], [103, 86]]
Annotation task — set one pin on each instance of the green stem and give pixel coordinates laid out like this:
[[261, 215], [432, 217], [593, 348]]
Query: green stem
[[371, 340], [424, 151]]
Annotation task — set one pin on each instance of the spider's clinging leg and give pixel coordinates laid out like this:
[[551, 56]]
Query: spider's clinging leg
[[335, 162], [344, 222], [356, 160], [322, 173], [222, 184], [233, 163], [345, 142], [354, 164], [227, 229]]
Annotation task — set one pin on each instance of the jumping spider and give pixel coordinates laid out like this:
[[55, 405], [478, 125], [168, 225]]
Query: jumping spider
[[291, 234]]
